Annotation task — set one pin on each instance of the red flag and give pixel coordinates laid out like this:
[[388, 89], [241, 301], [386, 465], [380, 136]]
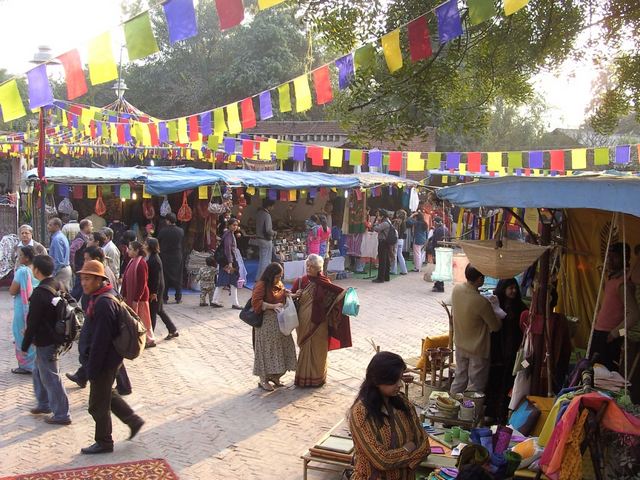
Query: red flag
[[395, 161], [92, 127], [527, 172], [73, 74], [419, 41], [247, 148], [473, 161], [77, 192], [248, 114], [322, 84], [284, 196], [120, 130], [230, 13], [153, 132], [315, 154], [193, 128], [557, 160]]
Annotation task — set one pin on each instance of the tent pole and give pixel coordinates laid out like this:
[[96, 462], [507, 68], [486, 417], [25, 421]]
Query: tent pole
[[543, 289]]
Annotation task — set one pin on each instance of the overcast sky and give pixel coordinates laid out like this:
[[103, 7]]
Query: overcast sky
[[67, 24]]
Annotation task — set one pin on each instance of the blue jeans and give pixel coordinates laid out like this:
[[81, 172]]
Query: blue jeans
[[265, 251], [47, 383]]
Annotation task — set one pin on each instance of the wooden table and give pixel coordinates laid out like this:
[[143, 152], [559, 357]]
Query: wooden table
[[311, 462]]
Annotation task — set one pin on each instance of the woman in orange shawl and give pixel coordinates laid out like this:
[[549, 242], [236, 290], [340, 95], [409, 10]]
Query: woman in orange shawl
[[322, 326]]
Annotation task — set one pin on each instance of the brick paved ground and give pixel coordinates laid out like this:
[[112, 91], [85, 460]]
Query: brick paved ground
[[203, 409]]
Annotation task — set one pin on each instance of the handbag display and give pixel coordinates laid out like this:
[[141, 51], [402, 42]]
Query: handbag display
[[250, 317], [184, 213], [351, 305]]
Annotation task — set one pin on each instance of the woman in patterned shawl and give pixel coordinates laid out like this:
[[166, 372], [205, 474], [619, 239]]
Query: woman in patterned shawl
[[389, 440]]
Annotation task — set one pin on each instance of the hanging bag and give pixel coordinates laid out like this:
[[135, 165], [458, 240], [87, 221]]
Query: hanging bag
[[184, 214], [287, 317], [65, 206], [100, 208], [147, 209], [165, 208], [351, 305]]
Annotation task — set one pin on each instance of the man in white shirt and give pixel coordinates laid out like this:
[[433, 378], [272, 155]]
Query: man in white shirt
[[111, 252]]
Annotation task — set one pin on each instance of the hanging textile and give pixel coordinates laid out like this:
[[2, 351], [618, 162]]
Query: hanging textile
[[505, 262]]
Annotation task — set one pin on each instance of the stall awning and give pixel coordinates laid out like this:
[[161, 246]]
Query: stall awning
[[374, 179], [84, 175], [611, 192]]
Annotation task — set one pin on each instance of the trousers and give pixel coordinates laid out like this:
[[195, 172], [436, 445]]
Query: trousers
[[472, 372], [265, 251], [384, 262], [47, 383], [157, 309], [418, 256], [398, 260]]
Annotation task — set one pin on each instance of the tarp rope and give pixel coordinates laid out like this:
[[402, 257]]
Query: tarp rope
[[604, 272]]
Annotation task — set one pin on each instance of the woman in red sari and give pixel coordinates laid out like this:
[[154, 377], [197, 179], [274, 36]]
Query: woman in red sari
[[322, 326], [134, 287]]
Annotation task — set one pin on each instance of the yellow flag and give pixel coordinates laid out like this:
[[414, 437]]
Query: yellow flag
[[273, 145], [10, 101], [579, 158], [415, 163], [293, 195], [512, 6], [146, 136], [219, 124], [183, 137], [303, 93], [325, 153], [265, 151], [233, 118], [462, 168], [144, 192], [391, 49], [494, 161], [114, 133], [336, 157], [102, 65], [284, 97], [263, 4], [92, 191], [433, 160], [251, 190], [203, 193]]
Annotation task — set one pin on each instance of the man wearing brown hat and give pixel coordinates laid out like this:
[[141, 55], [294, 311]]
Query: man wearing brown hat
[[101, 317]]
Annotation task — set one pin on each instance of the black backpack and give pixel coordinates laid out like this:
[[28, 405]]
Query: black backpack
[[69, 318], [131, 339], [392, 235]]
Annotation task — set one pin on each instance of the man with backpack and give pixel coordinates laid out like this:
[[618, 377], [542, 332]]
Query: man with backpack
[[104, 361], [41, 322]]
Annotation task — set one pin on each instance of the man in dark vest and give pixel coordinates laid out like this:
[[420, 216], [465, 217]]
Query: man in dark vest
[[170, 238]]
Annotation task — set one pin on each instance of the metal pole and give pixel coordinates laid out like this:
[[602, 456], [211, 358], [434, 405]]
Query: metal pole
[[41, 175]]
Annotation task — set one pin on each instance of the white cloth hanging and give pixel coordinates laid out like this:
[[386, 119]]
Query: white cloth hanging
[[444, 265], [414, 200]]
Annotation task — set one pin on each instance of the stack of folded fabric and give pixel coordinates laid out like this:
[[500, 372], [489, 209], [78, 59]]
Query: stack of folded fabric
[[607, 380]]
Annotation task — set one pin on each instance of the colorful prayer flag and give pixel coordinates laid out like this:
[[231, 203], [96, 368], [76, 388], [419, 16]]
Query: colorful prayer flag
[[282, 151], [205, 123], [299, 153], [219, 124], [10, 101], [514, 159], [449, 23], [230, 13], [233, 118], [303, 93], [474, 161], [181, 19], [264, 4], [40, 93], [153, 134], [335, 155], [579, 158], [419, 41], [557, 160], [346, 71], [183, 137], [433, 160], [139, 37], [601, 156], [247, 148], [391, 49], [494, 161], [266, 110], [203, 192], [375, 158], [365, 57], [248, 114], [480, 10], [284, 98], [322, 85], [194, 129], [453, 160], [315, 154], [73, 74], [265, 151], [102, 66], [536, 159], [512, 6], [623, 154], [229, 145], [355, 158], [415, 162]]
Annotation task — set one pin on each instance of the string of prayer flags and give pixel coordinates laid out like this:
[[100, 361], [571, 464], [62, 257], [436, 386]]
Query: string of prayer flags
[[346, 71], [230, 13], [40, 93], [579, 158], [512, 6], [375, 158], [139, 37], [415, 163], [102, 65], [264, 4], [514, 159], [449, 22], [181, 19], [266, 109], [419, 41], [480, 11], [248, 114], [233, 118], [536, 159], [623, 154], [73, 74], [494, 161], [284, 98], [10, 101], [193, 128], [205, 123], [303, 93], [391, 50], [322, 85], [219, 123], [601, 156], [557, 160]]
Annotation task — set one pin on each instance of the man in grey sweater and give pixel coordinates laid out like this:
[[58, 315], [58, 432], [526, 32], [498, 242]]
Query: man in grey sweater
[[264, 236]]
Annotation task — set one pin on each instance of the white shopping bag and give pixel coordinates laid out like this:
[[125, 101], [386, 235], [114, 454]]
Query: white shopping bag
[[287, 317]]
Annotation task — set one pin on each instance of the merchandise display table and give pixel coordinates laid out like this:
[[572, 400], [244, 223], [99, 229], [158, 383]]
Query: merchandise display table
[[296, 268]]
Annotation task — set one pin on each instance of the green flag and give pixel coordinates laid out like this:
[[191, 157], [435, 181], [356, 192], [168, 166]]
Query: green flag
[[480, 10], [139, 37], [365, 56]]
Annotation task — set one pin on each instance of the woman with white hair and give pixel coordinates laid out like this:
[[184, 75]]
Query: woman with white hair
[[322, 326]]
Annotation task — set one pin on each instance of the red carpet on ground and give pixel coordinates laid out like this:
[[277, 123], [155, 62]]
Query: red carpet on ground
[[156, 469]]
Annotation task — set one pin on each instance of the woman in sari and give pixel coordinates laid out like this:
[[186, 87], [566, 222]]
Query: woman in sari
[[23, 284], [135, 289], [322, 326], [274, 353]]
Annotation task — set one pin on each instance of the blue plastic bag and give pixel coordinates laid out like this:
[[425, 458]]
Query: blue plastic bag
[[351, 305]]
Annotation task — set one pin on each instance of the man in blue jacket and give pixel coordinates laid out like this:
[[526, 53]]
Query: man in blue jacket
[[104, 361]]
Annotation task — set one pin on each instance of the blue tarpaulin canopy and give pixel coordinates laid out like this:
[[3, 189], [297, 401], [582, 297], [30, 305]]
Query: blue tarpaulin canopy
[[83, 175], [611, 192]]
